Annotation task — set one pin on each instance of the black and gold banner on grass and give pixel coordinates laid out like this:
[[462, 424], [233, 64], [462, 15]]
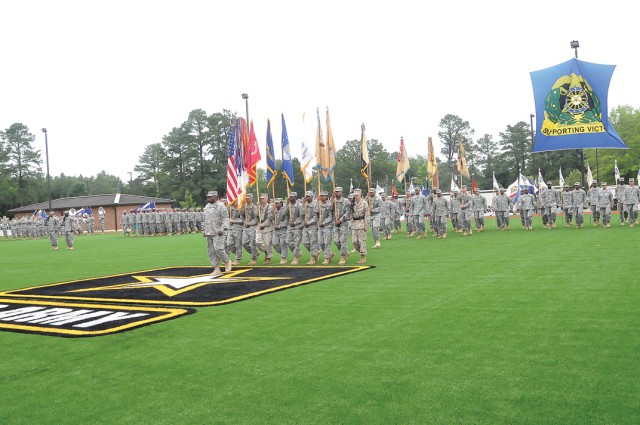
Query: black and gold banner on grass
[[182, 286], [79, 320]]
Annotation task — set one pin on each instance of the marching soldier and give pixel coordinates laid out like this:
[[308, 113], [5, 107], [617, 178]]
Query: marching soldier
[[294, 228], [215, 218], [250, 214], [620, 194], [281, 220], [503, 207], [342, 210], [441, 208], [455, 211], [387, 211], [124, 222], [53, 224], [399, 207], [359, 225], [68, 226], [631, 199], [310, 215], [264, 234], [526, 205], [479, 205], [592, 196], [605, 204], [325, 226], [418, 211], [4, 224], [234, 235], [550, 199], [375, 203], [466, 211], [579, 203], [567, 205]]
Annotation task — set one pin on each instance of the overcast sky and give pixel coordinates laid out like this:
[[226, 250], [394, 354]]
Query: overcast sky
[[109, 78]]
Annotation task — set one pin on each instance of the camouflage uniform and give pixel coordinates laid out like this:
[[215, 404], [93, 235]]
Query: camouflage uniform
[[341, 228], [579, 202], [68, 226], [294, 228], [567, 206], [359, 225], [479, 208], [620, 192], [441, 208], [631, 199], [387, 212], [418, 210], [326, 222], [503, 206], [264, 234], [605, 204], [454, 203], [250, 213], [466, 212], [592, 195], [53, 224], [526, 205], [234, 234], [281, 219], [310, 215], [375, 204], [216, 216]]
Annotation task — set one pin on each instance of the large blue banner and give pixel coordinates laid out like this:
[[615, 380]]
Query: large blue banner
[[572, 98]]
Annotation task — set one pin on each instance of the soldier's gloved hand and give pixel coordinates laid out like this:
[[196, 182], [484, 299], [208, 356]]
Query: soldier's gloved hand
[[220, 232]]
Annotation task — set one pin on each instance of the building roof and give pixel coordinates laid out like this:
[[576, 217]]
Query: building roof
[[108, 200]]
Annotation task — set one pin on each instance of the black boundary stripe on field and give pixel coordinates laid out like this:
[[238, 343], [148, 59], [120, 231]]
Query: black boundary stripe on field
[[145, 287]]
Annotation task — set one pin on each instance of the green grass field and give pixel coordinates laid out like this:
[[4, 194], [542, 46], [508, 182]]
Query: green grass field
[[536, 327]]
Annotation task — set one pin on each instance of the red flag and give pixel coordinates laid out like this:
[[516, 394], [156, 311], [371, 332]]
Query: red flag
[[394, 191], [252, 156], [474, 186], [233, 188]]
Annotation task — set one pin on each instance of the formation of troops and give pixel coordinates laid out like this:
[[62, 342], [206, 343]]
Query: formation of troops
[[287, 226], [156, 222]]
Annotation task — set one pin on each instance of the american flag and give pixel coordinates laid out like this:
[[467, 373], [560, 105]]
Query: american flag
[[233, 173]]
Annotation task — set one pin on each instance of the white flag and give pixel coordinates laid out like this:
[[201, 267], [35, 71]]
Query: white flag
[[589, 176], [617, 172], [541, 183], [379, 190], [496, 186], [454, 186], [561, 180], [306, 160]]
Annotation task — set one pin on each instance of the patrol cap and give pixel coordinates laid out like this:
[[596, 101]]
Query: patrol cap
[[293, 194], [212, 193], [566, 186], [357, 192], [631, 180], [308, 193], [324, 193], [576, 184], [278, 200], [383, 194], [604, 183], [264, 195], [464, 186], [621, 179], [338, 189], [249, 195], [595, 181], [438, 192], [372, 189], [417, 189], [549, 183], [502, 189]]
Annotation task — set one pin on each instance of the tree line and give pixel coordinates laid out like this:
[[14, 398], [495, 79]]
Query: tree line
[[192, 159]]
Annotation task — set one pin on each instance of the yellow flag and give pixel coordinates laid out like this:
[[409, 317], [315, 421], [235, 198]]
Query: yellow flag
[[462, 163], [331, 152], [364, 155], [403, 162], [432, 165]]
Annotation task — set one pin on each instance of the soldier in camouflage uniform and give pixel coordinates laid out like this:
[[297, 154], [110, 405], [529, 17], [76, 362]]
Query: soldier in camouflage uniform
[[294, 228], [53, 224], [397, 224], [234, 233], [359, 225], [375, 203], [631, 199], [441, 208], [466, 211], [310, 215], [4, 224], [503, 207], [408, 218], [620, 191], [579, 203], [592, 196], [454, 203], [550, 199], [68, 227], [342, 211], [250, 214], [326, 222], [281, 219], [605, 204], [387, 210], [567, 205], [526, 205], [479, 205], [216, 217], [264, 234], [418, 211]]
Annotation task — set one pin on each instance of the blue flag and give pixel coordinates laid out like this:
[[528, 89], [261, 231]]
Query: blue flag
[[271, 159], [287, 166], [571, 106]]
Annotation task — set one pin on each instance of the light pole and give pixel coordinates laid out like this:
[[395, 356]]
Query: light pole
[[130, 177], [246, 102], [533, 163], [46, 150], [574, 45]]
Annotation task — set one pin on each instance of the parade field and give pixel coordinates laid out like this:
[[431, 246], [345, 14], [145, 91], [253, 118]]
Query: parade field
[[502, 327]]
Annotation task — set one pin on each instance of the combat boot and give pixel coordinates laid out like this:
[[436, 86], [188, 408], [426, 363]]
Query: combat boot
[[252, 262], [343, 261], [267, 261], [363, 259], [283, 260], [294, 262], [227, 267], [312, 261]]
